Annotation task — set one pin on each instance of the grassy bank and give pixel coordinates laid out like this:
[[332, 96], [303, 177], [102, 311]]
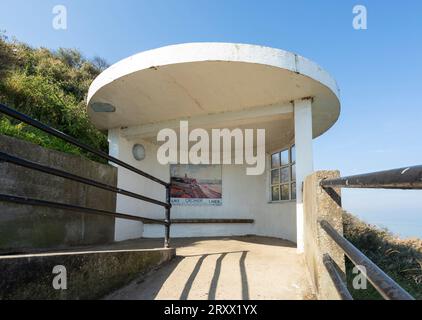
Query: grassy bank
[[50, 86], [400, 259]]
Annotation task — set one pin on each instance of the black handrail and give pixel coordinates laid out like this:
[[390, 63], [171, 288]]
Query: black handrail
[[408, 178], [24, 118], [59, 173], [386, 286], [36, 202], [64, 206]]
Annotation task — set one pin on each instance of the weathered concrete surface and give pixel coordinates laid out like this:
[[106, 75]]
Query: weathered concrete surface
[[318, 204], [90, 275], [238, 268], [25, 228]]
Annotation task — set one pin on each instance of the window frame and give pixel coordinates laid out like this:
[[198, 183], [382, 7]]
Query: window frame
[[291, 182]]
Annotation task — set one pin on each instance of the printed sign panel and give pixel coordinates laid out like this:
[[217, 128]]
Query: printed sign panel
[[196, 184]]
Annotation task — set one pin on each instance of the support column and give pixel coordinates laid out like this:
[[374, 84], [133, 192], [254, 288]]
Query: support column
[[114, 144], [304, 159], [120, 148]]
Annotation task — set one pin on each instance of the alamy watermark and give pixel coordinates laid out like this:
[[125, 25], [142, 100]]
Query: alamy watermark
[[360, 19], [60, 280], [60, 17], [360, 281], [206, 150]]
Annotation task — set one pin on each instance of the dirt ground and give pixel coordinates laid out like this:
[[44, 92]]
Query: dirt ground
[[235, 268]]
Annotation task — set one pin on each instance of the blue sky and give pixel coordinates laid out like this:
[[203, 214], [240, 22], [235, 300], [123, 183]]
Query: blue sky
[[378, 70]]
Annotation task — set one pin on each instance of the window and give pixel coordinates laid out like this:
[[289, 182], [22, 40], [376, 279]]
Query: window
[[283, 175]]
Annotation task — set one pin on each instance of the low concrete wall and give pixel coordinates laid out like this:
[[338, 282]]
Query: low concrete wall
[[26, 228], [90, 275], [319, 205]]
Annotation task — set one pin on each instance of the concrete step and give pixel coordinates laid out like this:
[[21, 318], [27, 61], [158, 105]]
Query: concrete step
[[84, 274]]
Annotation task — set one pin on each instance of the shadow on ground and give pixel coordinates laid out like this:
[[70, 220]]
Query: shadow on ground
[[238, 268]]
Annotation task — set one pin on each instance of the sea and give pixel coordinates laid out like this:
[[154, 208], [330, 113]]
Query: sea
[[399, 211]]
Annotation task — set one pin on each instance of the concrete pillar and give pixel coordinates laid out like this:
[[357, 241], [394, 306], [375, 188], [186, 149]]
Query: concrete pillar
[[118, 148], [113, 144], [320, 205], [304, 159]]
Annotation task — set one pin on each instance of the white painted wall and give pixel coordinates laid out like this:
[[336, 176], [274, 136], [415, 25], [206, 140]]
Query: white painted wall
[[277, 220], [122, 149], [244, 197]]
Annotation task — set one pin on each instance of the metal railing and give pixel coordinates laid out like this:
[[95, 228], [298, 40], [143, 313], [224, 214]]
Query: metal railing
[[4, 157], [386, 286], [409, 178], [336, 277]]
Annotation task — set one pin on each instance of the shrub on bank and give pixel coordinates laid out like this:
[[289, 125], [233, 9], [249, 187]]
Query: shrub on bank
[[49, 86], [401, 259]]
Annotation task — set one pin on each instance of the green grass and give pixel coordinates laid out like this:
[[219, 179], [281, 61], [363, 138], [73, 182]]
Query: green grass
[[30, 134], [401, 259]]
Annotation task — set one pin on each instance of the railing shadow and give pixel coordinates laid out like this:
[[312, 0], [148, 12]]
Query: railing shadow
[[188, 286], [244, 276], [216, 276]]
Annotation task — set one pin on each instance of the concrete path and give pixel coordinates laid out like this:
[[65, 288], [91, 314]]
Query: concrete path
[[238, 268]]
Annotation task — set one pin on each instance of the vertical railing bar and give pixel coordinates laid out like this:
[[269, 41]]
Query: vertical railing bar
[[168, 219]]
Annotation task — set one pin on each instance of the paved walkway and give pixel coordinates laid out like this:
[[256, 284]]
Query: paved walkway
[[225, 268]]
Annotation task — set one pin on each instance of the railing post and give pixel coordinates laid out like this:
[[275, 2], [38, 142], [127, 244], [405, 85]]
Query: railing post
[[168, 218], [318, 204]]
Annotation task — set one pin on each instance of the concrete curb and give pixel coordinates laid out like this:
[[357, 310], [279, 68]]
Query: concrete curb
[[90, 275]]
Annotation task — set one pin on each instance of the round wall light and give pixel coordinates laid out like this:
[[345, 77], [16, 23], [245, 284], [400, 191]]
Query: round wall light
[[102, 107], [138, 152]]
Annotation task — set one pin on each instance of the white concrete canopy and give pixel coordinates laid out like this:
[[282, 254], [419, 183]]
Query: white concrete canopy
[[214, 85]]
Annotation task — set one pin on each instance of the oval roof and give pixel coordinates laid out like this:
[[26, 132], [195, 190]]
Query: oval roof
[[197, 79]]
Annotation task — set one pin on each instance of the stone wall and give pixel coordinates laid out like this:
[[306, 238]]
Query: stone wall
[[319, 205], [29, 229]]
